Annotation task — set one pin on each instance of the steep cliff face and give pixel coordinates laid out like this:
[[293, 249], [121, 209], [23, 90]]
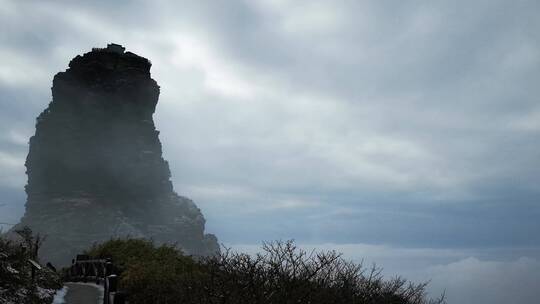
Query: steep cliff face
[[95, 167]]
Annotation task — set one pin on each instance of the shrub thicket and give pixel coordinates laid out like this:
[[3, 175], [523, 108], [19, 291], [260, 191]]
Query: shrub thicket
[[281, 274]]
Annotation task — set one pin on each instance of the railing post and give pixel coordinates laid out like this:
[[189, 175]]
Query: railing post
[[108, 268], [85, 272], [106, 299], [113, 283], [111, 286]]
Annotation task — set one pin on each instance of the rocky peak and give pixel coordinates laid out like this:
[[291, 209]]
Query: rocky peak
[[95, 167]]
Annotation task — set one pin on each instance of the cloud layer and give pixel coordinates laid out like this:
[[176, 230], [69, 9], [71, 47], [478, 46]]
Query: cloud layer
[[408, 124], [466, 276], [314, 111]]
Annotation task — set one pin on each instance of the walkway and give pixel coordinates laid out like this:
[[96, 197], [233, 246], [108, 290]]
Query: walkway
[[82, 293]]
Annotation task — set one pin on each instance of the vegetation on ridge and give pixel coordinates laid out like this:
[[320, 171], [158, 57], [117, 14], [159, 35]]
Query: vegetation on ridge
[[282, 273]]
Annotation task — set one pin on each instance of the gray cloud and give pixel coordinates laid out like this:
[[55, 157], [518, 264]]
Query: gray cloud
[[475, 281], [410, 124], [312, 102]]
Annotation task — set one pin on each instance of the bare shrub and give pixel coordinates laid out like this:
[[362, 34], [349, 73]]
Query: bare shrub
[[282, 273]]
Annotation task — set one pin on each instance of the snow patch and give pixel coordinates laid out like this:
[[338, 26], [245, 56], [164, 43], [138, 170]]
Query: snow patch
[[59, 297]]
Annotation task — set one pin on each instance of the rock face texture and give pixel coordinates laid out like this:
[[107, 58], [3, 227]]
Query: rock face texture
[[95, 167]]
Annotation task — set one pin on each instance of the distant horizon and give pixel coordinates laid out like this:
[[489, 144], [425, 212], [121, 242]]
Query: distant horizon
[[403, 133]]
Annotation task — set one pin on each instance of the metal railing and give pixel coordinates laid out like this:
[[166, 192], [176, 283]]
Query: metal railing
[[100, 271]]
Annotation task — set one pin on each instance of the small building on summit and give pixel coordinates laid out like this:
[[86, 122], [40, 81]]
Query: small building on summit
[[115, 48]]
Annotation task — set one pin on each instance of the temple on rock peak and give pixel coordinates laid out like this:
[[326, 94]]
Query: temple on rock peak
[[116, 48], [112, 48]]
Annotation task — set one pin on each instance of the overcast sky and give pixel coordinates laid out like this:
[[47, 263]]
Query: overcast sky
[[405, 132]]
